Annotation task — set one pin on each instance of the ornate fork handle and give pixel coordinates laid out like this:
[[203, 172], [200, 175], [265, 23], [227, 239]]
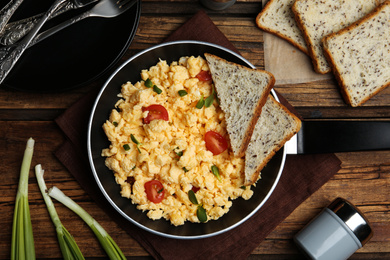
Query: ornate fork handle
[[7, 12], [13, 56], [5, 50], [57, 28], [14, 31]]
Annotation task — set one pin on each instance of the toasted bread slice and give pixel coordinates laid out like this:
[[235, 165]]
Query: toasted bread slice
[[360, 56], [274, 128], [318, 18], [277, 18], [242, 93]]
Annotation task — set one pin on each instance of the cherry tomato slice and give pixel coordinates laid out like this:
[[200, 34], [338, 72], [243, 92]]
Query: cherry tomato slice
[[154, 191], [215, 142], [155, 112], [195, 189], [204, 75]]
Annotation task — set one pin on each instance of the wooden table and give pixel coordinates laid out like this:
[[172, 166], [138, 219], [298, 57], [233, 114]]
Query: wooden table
[[364, 177]]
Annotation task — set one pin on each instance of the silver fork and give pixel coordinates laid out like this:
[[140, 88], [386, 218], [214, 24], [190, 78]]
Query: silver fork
[[105, 9], [14, 54], [14, 31]]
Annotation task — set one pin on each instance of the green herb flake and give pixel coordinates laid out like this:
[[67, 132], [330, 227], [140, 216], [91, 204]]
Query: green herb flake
[[126, 147], [217, 99], [182, 93], [215, 171], [200, 103], [148, 83], [201, 214], [180, 153], [192, 197], [159, 191], [215, 95], [209, 101], [134, 139], [115, 123], [200, 211], [184, 169], [243, 187], [136, 142], [157, 90]]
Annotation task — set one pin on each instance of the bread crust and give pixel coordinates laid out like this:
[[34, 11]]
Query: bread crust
[[257, 109], [274, 32], [342, 84], [249, 180]]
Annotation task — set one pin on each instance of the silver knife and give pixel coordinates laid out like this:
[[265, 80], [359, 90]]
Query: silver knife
[[332, 136], [16, 30]]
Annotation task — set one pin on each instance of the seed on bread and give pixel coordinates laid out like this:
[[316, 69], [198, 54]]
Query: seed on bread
[[360, 56], [242, 93]]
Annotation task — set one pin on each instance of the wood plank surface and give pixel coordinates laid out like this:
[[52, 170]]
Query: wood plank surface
[[363, 179]]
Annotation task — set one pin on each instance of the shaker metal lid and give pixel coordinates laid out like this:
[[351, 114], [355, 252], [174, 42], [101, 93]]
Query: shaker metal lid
[[353, 218]]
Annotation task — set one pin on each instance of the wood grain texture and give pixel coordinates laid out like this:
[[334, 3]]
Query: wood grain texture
[[364, 178]]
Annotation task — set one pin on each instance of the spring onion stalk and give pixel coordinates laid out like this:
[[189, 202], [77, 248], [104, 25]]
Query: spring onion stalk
[[22, 244], [112, 249], [68, 245]]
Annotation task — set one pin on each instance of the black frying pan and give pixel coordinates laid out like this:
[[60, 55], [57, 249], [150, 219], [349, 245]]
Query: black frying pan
[[97, 140]]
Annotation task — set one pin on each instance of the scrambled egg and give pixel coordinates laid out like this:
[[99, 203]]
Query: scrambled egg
[[172, 152]]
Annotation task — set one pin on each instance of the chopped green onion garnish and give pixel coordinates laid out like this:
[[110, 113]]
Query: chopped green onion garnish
[[201, 213], [22, 244], [182, 93], [215, 171], [136, 142], [200, 103], [126, 147], [134, 139], [68, 245], [148, 83], [210, 99], [192, 197], [156, 89], [243, 187], [112, 249], [184, 169], [115, 123], [217, 99], [178, 153]]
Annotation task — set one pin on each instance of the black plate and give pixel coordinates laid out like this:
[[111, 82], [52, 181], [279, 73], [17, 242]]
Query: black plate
[[75, 56], [130, 71]]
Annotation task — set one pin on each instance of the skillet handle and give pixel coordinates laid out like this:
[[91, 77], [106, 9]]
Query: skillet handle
[[331, 136]]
